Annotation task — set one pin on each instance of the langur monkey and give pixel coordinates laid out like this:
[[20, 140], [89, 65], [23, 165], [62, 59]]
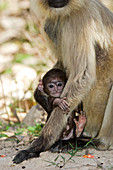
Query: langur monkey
[[80, 36]]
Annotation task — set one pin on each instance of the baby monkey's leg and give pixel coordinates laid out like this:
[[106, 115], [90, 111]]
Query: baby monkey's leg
[[80, 123]]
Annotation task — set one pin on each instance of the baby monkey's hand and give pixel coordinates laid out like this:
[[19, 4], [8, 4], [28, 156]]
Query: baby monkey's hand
[[40, 86], [62, 103]]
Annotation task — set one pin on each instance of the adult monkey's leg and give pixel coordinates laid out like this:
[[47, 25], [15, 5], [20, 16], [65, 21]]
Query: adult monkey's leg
[[106, 129]]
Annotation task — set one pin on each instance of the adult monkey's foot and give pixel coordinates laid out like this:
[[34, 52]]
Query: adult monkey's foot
[[24, 155], [33, 151], [63, 146], [80, 124]]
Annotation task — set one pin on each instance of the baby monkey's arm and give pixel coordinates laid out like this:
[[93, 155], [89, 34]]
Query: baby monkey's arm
[[42, 98]]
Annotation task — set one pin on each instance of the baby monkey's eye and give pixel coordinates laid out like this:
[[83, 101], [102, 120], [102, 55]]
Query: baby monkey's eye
[[51, 86], [59, 84]]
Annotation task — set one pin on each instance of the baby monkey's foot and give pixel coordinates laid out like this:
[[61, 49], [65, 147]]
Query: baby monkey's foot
[[80, 123]]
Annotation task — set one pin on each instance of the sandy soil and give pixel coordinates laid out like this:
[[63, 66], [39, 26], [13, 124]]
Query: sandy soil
[[102, 159]]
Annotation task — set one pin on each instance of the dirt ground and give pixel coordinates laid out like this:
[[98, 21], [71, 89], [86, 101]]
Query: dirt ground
[[102, 159]]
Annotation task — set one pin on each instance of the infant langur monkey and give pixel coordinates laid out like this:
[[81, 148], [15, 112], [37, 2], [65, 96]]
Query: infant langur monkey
[[49, 90], [48, 93]]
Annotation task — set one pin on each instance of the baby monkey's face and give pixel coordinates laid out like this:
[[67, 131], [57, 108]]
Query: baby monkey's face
[[55, 87]]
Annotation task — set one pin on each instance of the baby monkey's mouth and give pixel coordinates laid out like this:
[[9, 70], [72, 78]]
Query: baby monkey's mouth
[[58, 3]]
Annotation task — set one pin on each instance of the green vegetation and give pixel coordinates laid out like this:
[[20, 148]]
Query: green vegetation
[[20, 57], [3, 6], [21, 129]]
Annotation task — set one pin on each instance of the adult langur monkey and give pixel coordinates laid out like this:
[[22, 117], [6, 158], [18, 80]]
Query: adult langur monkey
[[80, 35]]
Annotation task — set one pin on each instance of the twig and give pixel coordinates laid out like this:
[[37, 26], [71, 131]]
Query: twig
[[4, 97]]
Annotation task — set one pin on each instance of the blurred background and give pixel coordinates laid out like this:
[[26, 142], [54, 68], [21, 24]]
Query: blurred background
[[24, 58]]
